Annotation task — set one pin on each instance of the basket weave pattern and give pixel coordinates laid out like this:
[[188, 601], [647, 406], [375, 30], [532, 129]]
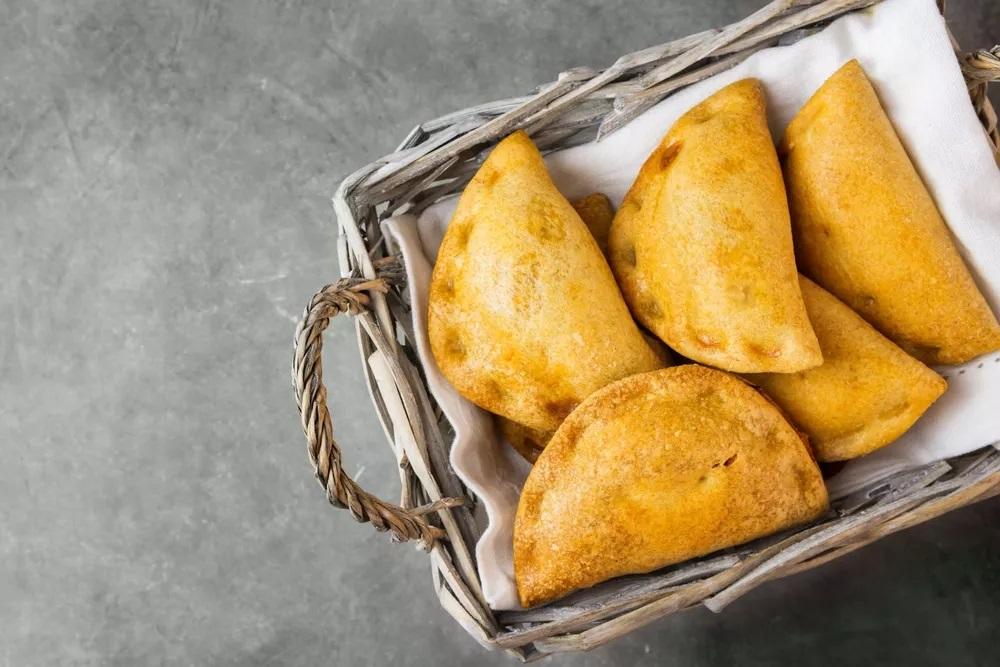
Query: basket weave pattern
[[436, 160]]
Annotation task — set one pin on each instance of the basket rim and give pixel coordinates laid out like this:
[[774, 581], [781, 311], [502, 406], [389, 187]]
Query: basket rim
[[436, 156]]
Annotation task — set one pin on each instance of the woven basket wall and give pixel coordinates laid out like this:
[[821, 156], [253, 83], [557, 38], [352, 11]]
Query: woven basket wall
[[436, 160]]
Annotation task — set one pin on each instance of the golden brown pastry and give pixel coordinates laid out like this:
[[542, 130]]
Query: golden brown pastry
[[597, 213], [867, 230], [656, 469], [528, 442], [702, 244], [866, 394], [525, 318]]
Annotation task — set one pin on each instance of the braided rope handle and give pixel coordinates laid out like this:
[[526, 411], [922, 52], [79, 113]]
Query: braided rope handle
[[982, 68], [347, 295]]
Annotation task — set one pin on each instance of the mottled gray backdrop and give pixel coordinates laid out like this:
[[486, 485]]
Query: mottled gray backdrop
[[165, 173]]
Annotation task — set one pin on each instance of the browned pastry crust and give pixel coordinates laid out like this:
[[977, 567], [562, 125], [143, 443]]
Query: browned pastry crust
[[866, 393], [597, 213], [867, 230], [656, 469], [525, 318], [528, 442], [702, 244]]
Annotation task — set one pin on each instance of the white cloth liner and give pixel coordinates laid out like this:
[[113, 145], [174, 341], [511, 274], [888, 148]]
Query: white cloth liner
[[904, 48]]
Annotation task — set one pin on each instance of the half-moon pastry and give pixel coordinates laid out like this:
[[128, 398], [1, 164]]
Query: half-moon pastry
[[866, 393], [867, 230], [597, 213], [702, 244], [524, 316], [656, 469]]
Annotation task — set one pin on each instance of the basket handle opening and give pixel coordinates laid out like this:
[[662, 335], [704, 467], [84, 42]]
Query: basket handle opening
[[351, 296]]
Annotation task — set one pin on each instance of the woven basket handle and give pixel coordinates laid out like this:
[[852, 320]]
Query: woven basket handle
[[347, 295], [982, 68]]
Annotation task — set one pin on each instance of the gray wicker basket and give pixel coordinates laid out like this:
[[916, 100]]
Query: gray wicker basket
[[436, 160]]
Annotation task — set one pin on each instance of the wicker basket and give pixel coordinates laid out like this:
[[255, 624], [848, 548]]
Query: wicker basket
[[436, 160]]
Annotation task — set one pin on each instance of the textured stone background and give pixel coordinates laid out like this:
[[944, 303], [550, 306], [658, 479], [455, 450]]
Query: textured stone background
[[164, 178]]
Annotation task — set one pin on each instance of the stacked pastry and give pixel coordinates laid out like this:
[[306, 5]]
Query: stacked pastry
[[554, 317]]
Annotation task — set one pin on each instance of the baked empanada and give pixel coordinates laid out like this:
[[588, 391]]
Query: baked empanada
[[524, 316], [866, 393], [656, 469], [867, 230], [597, 213], [702, 244]]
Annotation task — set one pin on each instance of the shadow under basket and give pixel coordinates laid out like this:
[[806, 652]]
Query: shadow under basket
[[436, 160]]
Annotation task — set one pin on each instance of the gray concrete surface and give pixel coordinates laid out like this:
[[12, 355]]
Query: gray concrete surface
[[164, 178]]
